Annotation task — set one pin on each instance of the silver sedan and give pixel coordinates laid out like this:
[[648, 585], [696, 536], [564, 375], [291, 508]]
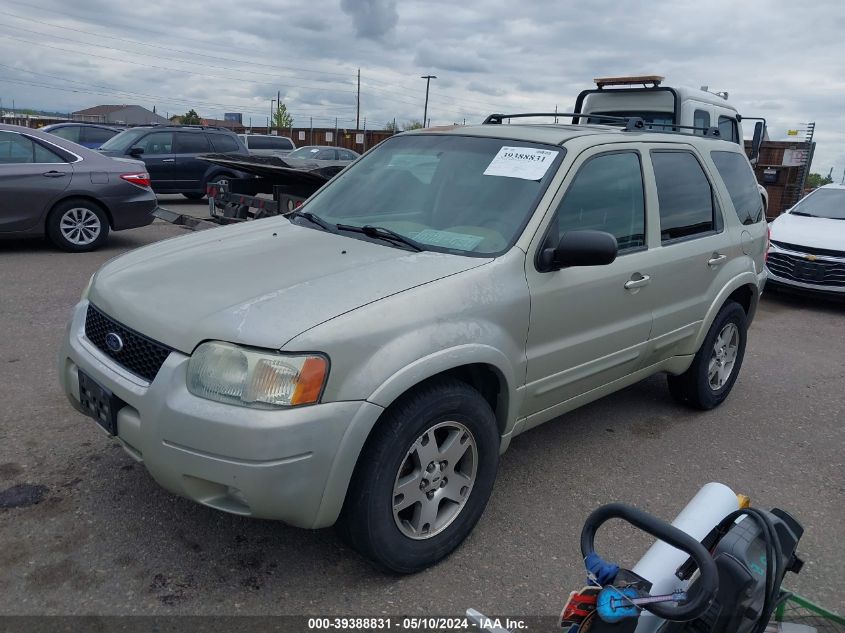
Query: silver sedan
[[73, 195]]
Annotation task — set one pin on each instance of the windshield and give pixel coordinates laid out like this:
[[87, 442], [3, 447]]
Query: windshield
[[458, 194], [304, 152], [124, 140], [823, 203], [660, 120]]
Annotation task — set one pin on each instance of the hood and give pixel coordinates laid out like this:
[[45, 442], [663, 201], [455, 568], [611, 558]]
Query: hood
[[259, 283], [814, 232]]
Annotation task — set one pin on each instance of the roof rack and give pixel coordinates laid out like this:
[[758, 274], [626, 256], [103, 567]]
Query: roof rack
[[189, 125], [631, 124]]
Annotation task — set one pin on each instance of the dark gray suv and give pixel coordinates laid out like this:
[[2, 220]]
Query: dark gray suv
[[171, 152]]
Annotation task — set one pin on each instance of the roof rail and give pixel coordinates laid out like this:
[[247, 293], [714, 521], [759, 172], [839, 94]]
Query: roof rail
[[632, 123]]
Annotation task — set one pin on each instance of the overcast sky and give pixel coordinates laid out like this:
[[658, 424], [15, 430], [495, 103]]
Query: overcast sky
[[781, 60]]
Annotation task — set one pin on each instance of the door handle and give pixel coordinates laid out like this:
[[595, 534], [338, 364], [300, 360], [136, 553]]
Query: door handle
[[168, 160], [717, 259], [53, 174], [638, 282]]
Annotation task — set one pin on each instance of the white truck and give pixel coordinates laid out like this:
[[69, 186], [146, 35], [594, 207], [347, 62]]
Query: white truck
[[696, 111]]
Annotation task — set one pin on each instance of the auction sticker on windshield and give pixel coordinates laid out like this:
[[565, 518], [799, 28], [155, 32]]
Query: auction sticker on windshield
[[527, 163]]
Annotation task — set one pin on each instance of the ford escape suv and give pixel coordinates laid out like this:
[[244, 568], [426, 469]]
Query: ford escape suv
[[365, 360]]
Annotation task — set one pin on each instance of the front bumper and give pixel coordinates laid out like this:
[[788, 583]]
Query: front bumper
[[782, 272], [293, 464]]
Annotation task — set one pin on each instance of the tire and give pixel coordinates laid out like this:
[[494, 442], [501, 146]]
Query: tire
[[724, 348], [194, 196], [77, 226], [417, 535]]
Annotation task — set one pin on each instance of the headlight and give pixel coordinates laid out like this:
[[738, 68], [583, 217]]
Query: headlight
[[88, 288], [254, 378]]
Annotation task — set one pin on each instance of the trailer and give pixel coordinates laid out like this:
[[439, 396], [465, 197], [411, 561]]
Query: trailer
[[274, 187]]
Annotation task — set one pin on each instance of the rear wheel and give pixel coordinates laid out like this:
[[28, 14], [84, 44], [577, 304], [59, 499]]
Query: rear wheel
[[716, 365], [423, 480], [77, 226]]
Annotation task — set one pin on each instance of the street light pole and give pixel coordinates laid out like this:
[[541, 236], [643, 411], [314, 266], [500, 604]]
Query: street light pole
[[428, 79], [270, 123]]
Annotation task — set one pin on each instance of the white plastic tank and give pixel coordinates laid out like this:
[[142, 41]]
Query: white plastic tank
[[704, 512]]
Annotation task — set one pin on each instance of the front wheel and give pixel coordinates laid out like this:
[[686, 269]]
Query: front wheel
[[77, 226], [716, 365], [423, 480]]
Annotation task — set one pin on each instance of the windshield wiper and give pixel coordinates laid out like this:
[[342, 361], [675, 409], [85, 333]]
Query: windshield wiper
[[805, 214], [313, 219], [382, 233]]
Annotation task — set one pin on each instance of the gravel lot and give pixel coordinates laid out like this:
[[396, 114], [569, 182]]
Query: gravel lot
[[105, 539]]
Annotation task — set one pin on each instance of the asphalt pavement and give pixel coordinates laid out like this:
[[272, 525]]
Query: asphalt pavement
[[105, 539]]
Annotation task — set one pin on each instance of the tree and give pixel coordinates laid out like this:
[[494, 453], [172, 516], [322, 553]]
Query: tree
[[190, 118], [817, 180], [281, 117], [391, 126], [412, 125]]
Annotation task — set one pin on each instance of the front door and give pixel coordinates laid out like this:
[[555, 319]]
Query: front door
[[159, 159], [590, 325], [31, 178]]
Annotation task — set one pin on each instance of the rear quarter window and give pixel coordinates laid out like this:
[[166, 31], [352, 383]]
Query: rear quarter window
[[739, 180]]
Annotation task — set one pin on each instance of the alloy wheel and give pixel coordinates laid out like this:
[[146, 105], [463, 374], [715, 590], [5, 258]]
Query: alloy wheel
[[723, 357], [80, 226]]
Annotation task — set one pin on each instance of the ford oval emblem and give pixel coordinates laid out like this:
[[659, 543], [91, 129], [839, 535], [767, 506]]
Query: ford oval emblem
[[114, 342]]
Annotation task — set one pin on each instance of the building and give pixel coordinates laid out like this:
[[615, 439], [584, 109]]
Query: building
[[118, 114]]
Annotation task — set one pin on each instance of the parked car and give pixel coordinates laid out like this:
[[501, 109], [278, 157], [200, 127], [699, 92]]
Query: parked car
[[267, 144], [808, 244], [170, 153], [366, 359], [320, 156], [73, 195], [86, 134]]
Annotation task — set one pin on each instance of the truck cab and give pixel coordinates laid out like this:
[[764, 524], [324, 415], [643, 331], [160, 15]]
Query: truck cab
[[690, 110]]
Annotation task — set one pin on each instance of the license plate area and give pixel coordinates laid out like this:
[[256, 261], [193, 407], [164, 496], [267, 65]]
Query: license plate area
[[809, 271], [100, 403]]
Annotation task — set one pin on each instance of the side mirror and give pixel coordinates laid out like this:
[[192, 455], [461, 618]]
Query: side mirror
[[136, 151], [757, 141], [580, 248]]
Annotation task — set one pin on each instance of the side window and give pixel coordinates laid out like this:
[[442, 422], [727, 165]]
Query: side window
[[44, 155], [16, 149], [96, 136], [684, 195], [728, 129], [606, 195], [287, 143], [701, 118], [326, 154], [69, 133], [224, 143], [156, 143], [741, 185], [346, 154], [190, 143]]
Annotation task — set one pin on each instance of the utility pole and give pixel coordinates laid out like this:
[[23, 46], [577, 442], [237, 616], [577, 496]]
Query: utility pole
[[555, 114], [428, 79], [278, 107], [335, 131], [358, 106], [270, 120], [311, 133]]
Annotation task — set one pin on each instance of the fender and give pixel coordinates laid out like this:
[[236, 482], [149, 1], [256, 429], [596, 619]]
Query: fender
[[450, 358], [746, 278]]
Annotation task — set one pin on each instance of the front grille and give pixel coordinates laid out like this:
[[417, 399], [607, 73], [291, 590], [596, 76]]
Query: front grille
[[797, 268], [809, 249], [139, 354]]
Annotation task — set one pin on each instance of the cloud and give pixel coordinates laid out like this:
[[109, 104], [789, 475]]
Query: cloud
[[373, 19], [489, 56]]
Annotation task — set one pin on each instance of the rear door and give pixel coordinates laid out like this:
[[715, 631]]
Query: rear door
[[694, 248], [159, 159], [189, 172], [590, 325], [32, 177]]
